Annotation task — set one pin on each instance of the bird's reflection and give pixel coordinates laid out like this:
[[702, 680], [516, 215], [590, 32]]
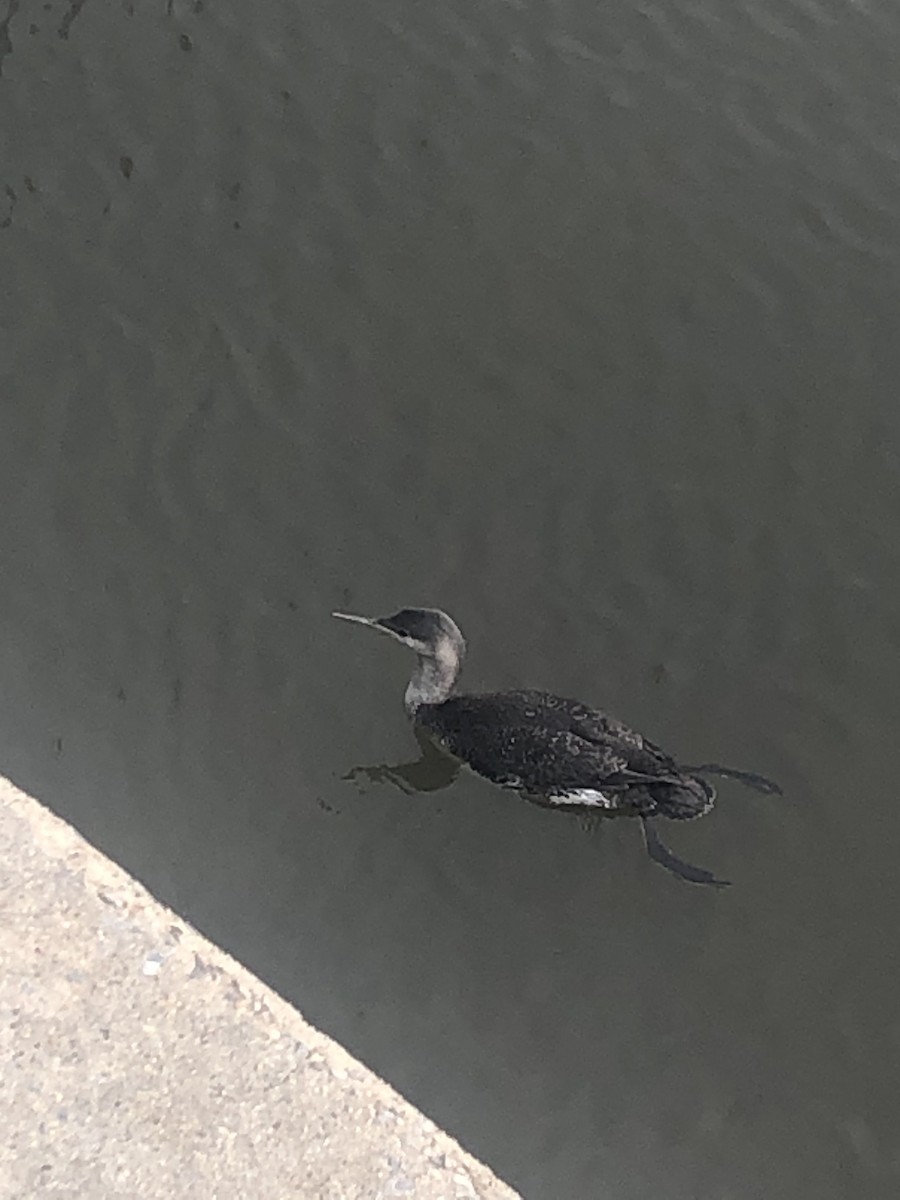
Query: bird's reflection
[[430, 772]]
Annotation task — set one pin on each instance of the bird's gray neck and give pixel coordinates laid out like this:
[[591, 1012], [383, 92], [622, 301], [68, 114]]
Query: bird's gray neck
[[433, 680]]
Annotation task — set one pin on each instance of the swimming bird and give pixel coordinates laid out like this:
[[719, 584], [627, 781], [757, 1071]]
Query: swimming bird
[[556, 752]]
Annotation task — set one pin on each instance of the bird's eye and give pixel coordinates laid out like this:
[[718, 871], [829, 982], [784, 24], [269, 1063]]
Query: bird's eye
[[401, 633]]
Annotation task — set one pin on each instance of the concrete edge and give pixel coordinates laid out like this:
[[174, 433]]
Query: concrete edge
[[51, 869]]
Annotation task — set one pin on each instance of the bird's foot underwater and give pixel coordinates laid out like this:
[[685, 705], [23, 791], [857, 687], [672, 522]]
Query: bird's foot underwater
[[660, 853], [589, 821], [750, 779]]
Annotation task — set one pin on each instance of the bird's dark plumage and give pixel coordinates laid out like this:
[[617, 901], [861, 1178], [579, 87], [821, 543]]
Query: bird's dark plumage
[[562, 751]]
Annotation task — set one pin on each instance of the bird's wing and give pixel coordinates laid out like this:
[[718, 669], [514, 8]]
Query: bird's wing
[[641, 755], [589, 723]]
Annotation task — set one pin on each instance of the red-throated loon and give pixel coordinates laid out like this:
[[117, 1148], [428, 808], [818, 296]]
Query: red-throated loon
[[554, 751]]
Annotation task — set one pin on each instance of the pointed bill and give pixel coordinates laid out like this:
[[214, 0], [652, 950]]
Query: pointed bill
[[353, 617]]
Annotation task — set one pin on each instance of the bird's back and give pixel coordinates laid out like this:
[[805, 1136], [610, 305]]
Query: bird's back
[[564, 752]]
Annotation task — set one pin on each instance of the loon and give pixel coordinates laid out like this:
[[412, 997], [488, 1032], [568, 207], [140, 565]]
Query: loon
[[555, 752]]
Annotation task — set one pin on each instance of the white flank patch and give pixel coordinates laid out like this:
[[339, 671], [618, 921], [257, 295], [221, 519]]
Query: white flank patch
[[588, 796]]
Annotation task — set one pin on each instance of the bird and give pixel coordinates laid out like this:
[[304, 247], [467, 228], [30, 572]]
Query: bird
[[556, 752]]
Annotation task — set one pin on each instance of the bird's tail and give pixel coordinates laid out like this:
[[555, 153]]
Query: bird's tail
[[685, 797]]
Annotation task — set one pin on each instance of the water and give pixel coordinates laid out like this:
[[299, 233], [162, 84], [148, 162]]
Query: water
[[582, 325]]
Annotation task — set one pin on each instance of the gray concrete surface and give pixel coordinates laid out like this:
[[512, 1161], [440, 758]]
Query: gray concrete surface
[[139, 1060]]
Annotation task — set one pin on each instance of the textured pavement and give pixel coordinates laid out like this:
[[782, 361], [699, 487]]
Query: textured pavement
[[138, 1060]]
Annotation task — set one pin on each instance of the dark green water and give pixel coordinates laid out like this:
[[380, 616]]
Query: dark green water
[[579, 322]]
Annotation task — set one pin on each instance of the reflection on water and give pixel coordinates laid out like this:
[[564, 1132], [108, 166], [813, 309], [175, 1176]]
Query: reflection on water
[[581, 323], [430, 772]]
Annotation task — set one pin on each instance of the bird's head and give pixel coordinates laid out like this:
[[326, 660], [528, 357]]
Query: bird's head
[[428, 631]]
